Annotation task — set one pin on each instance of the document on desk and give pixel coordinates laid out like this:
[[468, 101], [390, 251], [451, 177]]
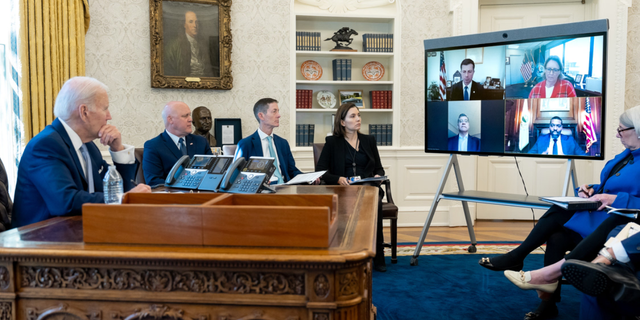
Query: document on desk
[[306, 178], [573, 203]]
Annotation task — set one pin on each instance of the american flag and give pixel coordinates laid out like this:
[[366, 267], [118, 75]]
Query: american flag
[[443, 78], [525, 68], [587, 125]]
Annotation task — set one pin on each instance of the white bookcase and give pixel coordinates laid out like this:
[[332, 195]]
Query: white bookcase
[[378, 18]]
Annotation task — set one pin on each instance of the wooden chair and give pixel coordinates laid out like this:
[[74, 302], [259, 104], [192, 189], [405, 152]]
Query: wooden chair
[[389, 208], [138, 152]]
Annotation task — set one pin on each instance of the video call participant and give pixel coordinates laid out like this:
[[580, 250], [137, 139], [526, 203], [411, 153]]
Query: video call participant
[[349, 153], [555, 142], [61, 167], [467, 89], [554, 85], [163, 151], [263, 143], [463, 141]]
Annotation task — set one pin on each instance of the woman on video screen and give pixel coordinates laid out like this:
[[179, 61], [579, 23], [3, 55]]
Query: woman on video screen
[[554, 86]]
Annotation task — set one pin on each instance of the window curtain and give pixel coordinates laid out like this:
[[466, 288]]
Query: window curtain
[[52, 37]]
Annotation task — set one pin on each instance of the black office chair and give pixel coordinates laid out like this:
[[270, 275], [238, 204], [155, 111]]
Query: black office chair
[[389, 208]]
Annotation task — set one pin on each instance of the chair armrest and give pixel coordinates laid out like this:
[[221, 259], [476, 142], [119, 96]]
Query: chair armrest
[[387, 190]]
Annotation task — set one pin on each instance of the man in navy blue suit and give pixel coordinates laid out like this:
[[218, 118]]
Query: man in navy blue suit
[[163, 151], [263, 143], [555, 142], [463, 141], [61, 168]]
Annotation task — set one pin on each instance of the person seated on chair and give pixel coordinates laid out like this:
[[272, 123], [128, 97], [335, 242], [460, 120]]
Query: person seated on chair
[[264, 143], [555, 142], [349, 153], [61, 167], [463, 141], [467, 89], [163, 151], [617, 283], [565, 230], [553, 85]]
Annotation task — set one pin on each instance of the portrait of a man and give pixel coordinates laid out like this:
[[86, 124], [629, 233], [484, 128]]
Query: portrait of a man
[[191, 39]]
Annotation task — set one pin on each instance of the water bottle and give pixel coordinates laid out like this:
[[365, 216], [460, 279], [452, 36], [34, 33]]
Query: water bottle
[[112, 184]]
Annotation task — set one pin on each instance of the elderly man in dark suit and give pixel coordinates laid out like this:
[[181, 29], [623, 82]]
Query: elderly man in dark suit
[[61, 167], [163, 151]]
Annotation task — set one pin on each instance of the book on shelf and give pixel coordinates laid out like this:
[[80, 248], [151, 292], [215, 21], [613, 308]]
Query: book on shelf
[[305, 134], [377, 42], [347, 70], [573, 203], [307, 41]]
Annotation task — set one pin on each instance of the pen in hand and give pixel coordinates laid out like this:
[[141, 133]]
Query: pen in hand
[[135, 184]]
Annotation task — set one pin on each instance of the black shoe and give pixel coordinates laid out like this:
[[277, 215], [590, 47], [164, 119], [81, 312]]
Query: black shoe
[[489, 264], [544, 311], [600, 280]]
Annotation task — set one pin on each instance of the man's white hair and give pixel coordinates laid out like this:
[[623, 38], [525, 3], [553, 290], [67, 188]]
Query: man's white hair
[[75, 92]]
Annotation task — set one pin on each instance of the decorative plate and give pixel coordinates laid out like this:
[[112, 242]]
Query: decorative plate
[[311, 70], [373, 71], [326, 99]]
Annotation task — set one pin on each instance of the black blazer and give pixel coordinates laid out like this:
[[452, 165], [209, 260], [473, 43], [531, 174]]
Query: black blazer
[[333, 158], [477, 91]]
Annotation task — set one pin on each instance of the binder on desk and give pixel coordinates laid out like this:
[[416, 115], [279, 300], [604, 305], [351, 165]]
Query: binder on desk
[[573, 203]]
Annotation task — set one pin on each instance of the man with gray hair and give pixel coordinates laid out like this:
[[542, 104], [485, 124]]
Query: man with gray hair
[[61, 167], [163, 151]]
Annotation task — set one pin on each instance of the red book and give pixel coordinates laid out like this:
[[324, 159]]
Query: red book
[[390, 104], [309, 99]]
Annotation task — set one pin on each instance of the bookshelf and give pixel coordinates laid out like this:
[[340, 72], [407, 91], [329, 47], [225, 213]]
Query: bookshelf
[[380, 19]]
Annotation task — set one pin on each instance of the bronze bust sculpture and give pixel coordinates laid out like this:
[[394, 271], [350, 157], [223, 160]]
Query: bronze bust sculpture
[[202, 121]]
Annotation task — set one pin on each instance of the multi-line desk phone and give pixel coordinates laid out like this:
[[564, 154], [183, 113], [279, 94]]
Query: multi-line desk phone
[[221, 174]]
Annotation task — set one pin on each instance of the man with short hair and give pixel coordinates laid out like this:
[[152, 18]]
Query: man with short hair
[[463, 141], [188, 55], [202, 121], [163, 151], [61, 167], [555, 142], [263, 143], [467, 89]]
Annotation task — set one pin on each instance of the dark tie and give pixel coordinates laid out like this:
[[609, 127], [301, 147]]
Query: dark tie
[[466, 92], [87, 168], [183, 148], [555, 146]]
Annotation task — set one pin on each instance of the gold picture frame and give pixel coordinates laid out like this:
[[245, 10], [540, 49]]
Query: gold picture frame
[[475, 54], [191, 44]]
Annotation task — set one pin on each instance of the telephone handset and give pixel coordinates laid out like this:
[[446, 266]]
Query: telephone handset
[[249, 176], [177, 169]]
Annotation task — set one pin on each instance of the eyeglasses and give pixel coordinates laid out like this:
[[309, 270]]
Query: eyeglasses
[[552, 70], [625, 129]]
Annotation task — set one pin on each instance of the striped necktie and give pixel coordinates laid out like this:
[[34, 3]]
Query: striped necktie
[[183, 147], [272, 152], [88, 170]]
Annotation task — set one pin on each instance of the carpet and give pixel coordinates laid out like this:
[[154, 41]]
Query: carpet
[[458, 247], [454, 286]]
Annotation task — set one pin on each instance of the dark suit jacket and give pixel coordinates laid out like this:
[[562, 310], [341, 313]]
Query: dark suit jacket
[[333, 157], [160, 154], [473, 143], [51, 181], [177, 57], [252, 146], [457, 91], [569, 145]]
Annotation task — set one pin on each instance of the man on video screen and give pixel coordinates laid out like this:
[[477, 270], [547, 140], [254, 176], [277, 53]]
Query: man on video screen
[[467, 89], [555, 142], [463, 141]]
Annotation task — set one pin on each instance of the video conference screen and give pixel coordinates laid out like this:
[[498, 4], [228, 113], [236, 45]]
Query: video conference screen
[[532, 97]]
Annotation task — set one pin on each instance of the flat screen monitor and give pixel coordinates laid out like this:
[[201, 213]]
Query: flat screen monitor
[[537, 92]]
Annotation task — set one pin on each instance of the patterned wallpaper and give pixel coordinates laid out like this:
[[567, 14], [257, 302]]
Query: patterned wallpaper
[[632, 92]]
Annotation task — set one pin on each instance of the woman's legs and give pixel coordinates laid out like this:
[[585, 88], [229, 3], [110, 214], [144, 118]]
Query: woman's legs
[[588, 248]]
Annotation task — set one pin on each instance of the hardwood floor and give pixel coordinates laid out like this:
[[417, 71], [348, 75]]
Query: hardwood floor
[[486, 230]]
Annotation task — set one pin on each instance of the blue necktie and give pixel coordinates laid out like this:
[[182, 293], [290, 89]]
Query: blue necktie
[[88, 168], [466, 92], [272, 152], [183, 148], [555, 146]]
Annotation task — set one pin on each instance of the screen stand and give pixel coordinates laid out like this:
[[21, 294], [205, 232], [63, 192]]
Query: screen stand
[[570, 175], [453, 162]]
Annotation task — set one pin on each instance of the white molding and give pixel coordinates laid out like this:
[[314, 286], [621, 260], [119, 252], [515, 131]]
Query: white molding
[[465, 16], [344, 6]]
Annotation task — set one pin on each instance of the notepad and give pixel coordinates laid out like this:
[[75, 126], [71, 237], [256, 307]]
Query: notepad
[[573, 203]]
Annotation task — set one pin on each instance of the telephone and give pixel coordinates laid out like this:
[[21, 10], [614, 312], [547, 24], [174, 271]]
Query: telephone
[[214, 176], [189, 173], [248, 176]]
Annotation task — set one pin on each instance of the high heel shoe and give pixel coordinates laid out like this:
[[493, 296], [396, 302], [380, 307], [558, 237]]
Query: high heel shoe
[[486, 262], [523, 281]]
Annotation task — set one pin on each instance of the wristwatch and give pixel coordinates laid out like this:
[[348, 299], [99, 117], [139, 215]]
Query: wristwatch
[[605, 253]]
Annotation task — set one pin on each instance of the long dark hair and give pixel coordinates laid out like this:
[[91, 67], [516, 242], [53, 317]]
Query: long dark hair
[[338, 129]]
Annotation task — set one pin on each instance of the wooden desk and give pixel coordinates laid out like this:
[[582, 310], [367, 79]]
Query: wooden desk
[[47, 272]]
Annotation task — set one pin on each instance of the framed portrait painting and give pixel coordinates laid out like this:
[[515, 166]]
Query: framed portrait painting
[[191, 44]]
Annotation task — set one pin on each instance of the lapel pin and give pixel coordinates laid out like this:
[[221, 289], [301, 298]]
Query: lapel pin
[[191, 143]]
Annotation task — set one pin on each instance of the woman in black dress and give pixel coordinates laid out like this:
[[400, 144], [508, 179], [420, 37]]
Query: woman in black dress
[[349, 153]]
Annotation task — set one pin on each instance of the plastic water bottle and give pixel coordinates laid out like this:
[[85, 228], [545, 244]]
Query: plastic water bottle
[[112, 184]]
